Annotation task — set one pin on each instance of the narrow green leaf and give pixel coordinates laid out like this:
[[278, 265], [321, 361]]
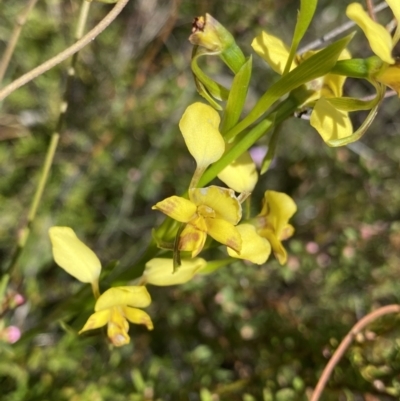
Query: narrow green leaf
[[215, 265], [314, 67], [381, 89], [201, 89], [247, 139], [237, 97], [233, 57], [176, 259], [271, 151], [352, 104], [206, 86], [307, 10]]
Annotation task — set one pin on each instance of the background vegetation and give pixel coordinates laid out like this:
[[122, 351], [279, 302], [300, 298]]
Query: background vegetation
[[244, 332]]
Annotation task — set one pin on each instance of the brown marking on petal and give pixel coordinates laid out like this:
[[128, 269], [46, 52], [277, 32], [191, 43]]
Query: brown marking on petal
[[168, 206], [198, 24], [188, 238], [232, 243]]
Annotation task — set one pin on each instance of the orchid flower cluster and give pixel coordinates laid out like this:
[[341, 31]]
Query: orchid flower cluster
[[219, 140]]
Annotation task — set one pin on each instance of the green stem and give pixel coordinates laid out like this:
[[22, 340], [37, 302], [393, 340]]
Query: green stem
[[282, 112], [96, 289], [35, 203]]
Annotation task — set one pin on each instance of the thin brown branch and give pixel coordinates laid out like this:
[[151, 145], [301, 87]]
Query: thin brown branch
[[337, 31], [344, 345], [370, 8], [91, 35], [12, 43]]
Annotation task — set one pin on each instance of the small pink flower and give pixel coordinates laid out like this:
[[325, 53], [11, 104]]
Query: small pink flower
[[11, 334], [18, 299]]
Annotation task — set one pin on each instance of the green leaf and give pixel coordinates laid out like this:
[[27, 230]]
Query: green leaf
[[314, 67], [353, 104], [233, 57], [247, 139], [206, 86], [307, 10], [237, 97], [381, 89], [271, 151]]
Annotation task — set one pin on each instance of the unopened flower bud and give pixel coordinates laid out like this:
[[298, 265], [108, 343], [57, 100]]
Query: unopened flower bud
[[209, 33]]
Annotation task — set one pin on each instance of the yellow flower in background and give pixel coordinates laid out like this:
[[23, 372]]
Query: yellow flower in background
[[274, 51], [381, 42], [71, 254], [115, 308], [255, 248], [272, 222], [330, 122], [160, 271], [213, 211], [199, 127]]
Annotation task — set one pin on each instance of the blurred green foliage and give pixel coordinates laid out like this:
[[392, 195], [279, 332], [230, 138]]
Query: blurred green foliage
[[244, 332]]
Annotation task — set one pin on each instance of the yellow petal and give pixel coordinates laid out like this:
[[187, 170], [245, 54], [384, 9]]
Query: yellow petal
[[330, 122], [136, 296], [272, 50], [192, 239], [395, 6], [286, 232], [96, 320], [73, 255], [390, 76], [378, 37], [277, 209], [276, 245], [332, 83], [221, 200], [241, 175], [225, 233], [159, 271], [117, 330], [199, 126], [256, 249], [178, 208], [137, 316]]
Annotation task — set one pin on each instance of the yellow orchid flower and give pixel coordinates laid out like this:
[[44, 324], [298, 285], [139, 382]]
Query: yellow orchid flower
[[330, 122], [272, 222], [115, 308], [255, 248], [381, 42], [213, 210], [71, 254], [160, 271]]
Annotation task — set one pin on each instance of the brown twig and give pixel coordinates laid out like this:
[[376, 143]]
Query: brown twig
[[19, 23], [91, 35], [370, 8], [357, 328], [337, 31]]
